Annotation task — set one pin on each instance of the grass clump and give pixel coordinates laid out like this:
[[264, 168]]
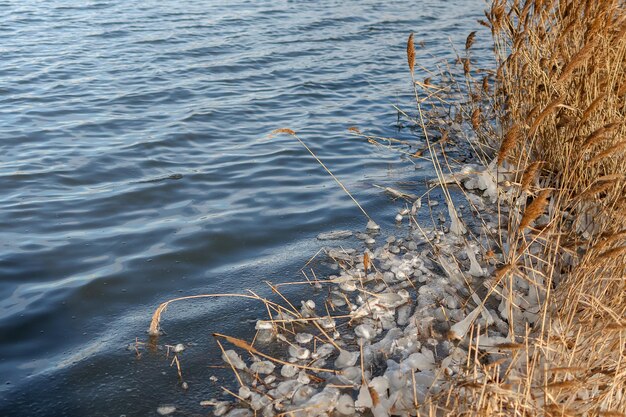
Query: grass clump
[[557, 123]]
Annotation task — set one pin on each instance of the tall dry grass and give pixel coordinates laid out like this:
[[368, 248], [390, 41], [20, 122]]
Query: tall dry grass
[[559, 101]]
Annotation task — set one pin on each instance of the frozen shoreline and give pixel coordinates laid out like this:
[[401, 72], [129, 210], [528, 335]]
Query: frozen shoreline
[[388, 339]]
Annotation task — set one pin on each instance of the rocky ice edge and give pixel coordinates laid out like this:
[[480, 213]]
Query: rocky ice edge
[[408, 324]]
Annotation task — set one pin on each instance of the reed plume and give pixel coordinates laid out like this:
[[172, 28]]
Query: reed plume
[[410, 54], [535, 209]]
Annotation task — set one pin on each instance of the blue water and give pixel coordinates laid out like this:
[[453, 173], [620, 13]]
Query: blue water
[[135, 167]]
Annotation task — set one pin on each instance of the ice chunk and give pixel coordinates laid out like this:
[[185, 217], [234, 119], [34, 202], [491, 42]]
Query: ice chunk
[[323, 351], [364, 400], [324, 401], [337, 234], [165, 410], [244, 392], [288, 371], [459, 330], [420, 361], [303, 338], [456, 225], [345, 405], [263, 325], [239, 412], [475, 269], [299, 352], [346, 359], [220, 408], [308, 308], [365, 331], [303, 378], [262, 367], [302, 394], [231, 357], [259, 401], [372, 226]]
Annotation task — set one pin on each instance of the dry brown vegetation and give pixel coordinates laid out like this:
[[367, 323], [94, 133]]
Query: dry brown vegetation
[[560, 103]]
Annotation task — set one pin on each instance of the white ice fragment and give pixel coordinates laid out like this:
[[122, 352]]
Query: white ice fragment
[[286, 388], [416, 206], [303, 338], [303, 378], [323, 351], [323, 402], [337, 234], [348, 286], [288, 371], [345, 405], [179, 348], [364, 400], [399, 217], [459, 330], [302, 394], [372, 226], [327, 323], [392, 300], [456, 225], [231, 357], [352, 373], [475, 269], [346, 359], [380, 384], [244, 392], [263, 325], [299, 352], [240, 412], [365, 331], [308, 308], [420, 361], [221, 407], [165, 410], [490, 343], [259, 401], [262, 367]]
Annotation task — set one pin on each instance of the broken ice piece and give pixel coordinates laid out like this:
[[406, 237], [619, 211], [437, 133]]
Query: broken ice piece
[[345, 405], [263, 325], [399, 217], [338, 234], [244, 392], [288, 371], [308, 308], [262, 367], [346, 359], [372, 226], [299, 352], [165, 410], [416, 206], [364, 400], [231, 357], [303, 338], [179, 348], [365, 331]]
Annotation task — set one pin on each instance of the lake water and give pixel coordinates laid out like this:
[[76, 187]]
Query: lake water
[[135, 167]]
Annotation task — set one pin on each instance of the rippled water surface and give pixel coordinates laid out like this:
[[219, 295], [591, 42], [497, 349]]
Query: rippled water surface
[[135, 167]]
